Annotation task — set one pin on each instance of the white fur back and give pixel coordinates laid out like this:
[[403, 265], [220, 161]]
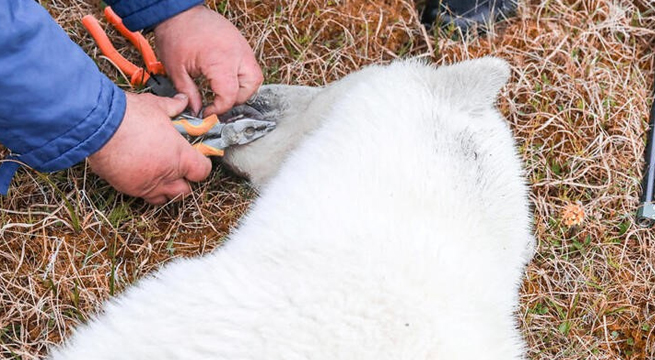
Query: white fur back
[[399, 229]]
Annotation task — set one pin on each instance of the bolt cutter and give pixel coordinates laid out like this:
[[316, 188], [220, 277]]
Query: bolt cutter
[[209, 135], [153, 77]]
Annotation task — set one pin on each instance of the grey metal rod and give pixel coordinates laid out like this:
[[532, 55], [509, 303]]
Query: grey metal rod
[[646, 211]]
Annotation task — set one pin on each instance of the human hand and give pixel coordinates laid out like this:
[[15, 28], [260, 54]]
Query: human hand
[[200, 41], [147, 157]]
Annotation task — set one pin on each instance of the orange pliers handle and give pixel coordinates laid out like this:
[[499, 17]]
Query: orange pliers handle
[[138, 76], [138, 40], [197, 127]]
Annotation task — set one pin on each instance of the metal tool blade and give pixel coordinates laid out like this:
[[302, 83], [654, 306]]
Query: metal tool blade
[[239, 132]]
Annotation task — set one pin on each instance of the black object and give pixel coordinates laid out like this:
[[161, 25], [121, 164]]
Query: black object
[[161, 85], [464, 14], [646, 211]]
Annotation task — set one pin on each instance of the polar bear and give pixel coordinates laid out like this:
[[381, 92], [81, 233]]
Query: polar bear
[[392, 223]]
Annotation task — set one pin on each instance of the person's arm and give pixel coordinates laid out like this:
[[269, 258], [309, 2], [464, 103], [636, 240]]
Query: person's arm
[[56, 108]]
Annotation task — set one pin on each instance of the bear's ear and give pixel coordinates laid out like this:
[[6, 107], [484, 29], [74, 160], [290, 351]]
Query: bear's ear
[[472, 85]]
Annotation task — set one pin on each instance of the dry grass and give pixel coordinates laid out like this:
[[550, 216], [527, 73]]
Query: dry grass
[[577, 103]]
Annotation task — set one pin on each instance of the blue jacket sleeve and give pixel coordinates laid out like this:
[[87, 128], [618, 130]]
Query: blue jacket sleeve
[[56, 108], [141, 14]]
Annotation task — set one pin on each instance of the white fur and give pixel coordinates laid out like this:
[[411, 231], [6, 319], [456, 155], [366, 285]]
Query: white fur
[[398, 230]]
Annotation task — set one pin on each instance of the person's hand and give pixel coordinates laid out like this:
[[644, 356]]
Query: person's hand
[[200, 41], [147, 157]]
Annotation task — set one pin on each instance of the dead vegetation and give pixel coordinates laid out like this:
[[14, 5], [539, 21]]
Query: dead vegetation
[[577, 102]]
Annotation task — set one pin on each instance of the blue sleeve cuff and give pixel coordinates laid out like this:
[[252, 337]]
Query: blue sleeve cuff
[[143, 14], [72, 147], [85, 138], [56, 108]]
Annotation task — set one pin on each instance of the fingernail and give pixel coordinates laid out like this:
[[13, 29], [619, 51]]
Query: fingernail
[[181, 96]]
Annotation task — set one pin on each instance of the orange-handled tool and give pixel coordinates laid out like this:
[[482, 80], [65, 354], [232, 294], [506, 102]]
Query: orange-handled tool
[[192, 126], [138, 40], [138, 76], [211, 137], [155, 78]]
